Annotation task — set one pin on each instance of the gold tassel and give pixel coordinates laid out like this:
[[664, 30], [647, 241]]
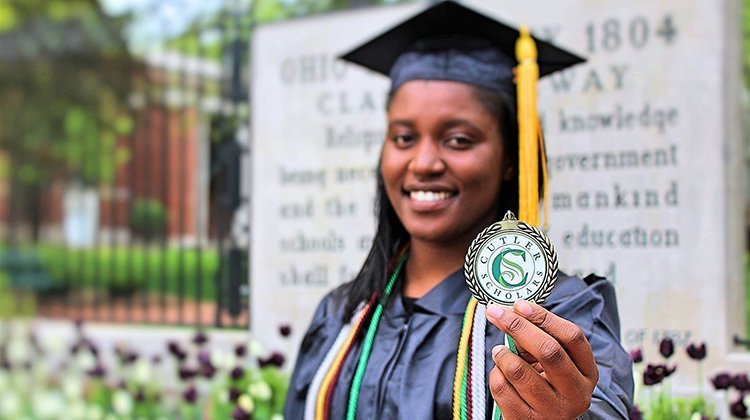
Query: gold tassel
[[530, 141]]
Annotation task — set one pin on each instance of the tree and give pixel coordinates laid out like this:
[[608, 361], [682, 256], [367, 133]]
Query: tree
[[65, 75]]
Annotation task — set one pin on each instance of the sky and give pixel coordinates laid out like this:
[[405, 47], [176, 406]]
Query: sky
[[158, 19]]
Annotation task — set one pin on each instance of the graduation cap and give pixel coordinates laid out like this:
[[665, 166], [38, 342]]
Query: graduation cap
[[448, 41]]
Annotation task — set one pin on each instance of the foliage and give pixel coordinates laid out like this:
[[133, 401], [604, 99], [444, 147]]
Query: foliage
[[125, 270], [147, 216], [64, 73], [14, 302], [43, 377]]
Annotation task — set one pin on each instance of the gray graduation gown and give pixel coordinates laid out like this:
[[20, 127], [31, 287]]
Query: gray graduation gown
[[413, 361]]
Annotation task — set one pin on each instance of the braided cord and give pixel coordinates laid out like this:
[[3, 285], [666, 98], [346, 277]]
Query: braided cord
[[313, 392], [478, 344], [461, 358], [364, 356], [334, 369]]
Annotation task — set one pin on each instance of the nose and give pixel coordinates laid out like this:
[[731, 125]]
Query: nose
[[427, 159]]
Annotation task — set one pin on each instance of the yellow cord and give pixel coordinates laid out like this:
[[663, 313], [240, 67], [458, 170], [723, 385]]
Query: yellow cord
[[527, 74]]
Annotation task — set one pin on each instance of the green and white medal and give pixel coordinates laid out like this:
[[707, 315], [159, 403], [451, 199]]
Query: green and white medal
[[511, 260]]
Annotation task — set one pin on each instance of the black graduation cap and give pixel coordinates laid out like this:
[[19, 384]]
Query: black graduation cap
[[448, 41]]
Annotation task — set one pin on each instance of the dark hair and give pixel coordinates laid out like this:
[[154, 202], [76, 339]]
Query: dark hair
[[391, 234]]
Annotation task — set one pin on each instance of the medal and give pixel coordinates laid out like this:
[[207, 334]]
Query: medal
[[510, 260]]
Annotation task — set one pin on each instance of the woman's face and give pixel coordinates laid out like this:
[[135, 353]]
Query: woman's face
[[443, 161]]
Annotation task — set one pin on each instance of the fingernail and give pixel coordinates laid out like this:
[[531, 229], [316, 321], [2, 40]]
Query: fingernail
[[495, 311], [524, 308], [497, 349]]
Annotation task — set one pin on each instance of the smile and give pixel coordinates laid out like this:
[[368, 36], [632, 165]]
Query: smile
[[429, 196]]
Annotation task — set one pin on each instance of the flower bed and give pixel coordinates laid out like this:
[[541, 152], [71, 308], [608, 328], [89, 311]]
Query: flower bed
[[188, 380]]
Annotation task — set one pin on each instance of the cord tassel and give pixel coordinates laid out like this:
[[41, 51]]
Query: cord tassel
[[527, 74]]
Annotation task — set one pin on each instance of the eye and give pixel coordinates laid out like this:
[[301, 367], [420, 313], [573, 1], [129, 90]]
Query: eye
[[459, 142], [403, 140]]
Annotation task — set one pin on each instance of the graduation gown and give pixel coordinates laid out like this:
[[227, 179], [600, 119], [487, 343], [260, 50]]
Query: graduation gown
[[413, 360]]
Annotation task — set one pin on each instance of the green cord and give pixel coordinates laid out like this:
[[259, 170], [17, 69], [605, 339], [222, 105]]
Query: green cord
[[496, 413], [464, 383], [364, 356]]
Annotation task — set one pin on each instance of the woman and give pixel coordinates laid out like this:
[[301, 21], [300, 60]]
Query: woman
[[385, 345]]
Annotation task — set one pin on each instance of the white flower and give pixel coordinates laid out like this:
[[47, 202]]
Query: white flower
[[260, 390], [48, 404], [10, 405], [94, 412], [76, 410], [142, 371], [223, 396], [246, 403], [255, 348], [695, 416], [18, 350], [277, 417], [72, 387], [85, 360], [122, 402]]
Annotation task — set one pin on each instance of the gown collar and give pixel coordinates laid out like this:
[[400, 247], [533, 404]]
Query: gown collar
[[449, 297]]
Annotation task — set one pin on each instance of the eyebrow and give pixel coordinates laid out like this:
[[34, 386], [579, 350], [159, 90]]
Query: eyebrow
[[445, 125]]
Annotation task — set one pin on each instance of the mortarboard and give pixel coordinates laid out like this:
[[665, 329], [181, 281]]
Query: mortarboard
[[448, 41]]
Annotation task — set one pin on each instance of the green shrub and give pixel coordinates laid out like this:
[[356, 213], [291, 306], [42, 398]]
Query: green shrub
[[148, 217], [123, 271]]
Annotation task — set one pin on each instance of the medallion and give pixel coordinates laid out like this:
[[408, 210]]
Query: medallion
[[511, 260]]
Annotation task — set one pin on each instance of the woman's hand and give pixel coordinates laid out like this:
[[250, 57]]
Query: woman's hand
[[555, 373]]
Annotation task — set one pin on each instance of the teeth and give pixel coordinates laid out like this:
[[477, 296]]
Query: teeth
[[429, 195]]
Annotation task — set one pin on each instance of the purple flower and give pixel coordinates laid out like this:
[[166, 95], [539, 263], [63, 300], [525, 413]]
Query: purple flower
[[237, 373], [740, 382], [240, 350], [156, 359], [653, 374], [666, 347], [186, 373], [722, 381], [204, 357], [634, 413], [97, 371], [190, 394], [738, 408], [208, 370], [285, 330], [200, 338], [233, 394], [240, 414], [275, 359], [636, 355], [140, 396], [697, 352], [177, 351]]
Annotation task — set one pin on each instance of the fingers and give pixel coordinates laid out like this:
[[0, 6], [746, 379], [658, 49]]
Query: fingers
[[567, 334], [542, 336], [506, 397], [533, 388]]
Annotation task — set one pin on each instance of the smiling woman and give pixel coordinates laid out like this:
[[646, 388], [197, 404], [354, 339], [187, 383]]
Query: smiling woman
[[405, 339]]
